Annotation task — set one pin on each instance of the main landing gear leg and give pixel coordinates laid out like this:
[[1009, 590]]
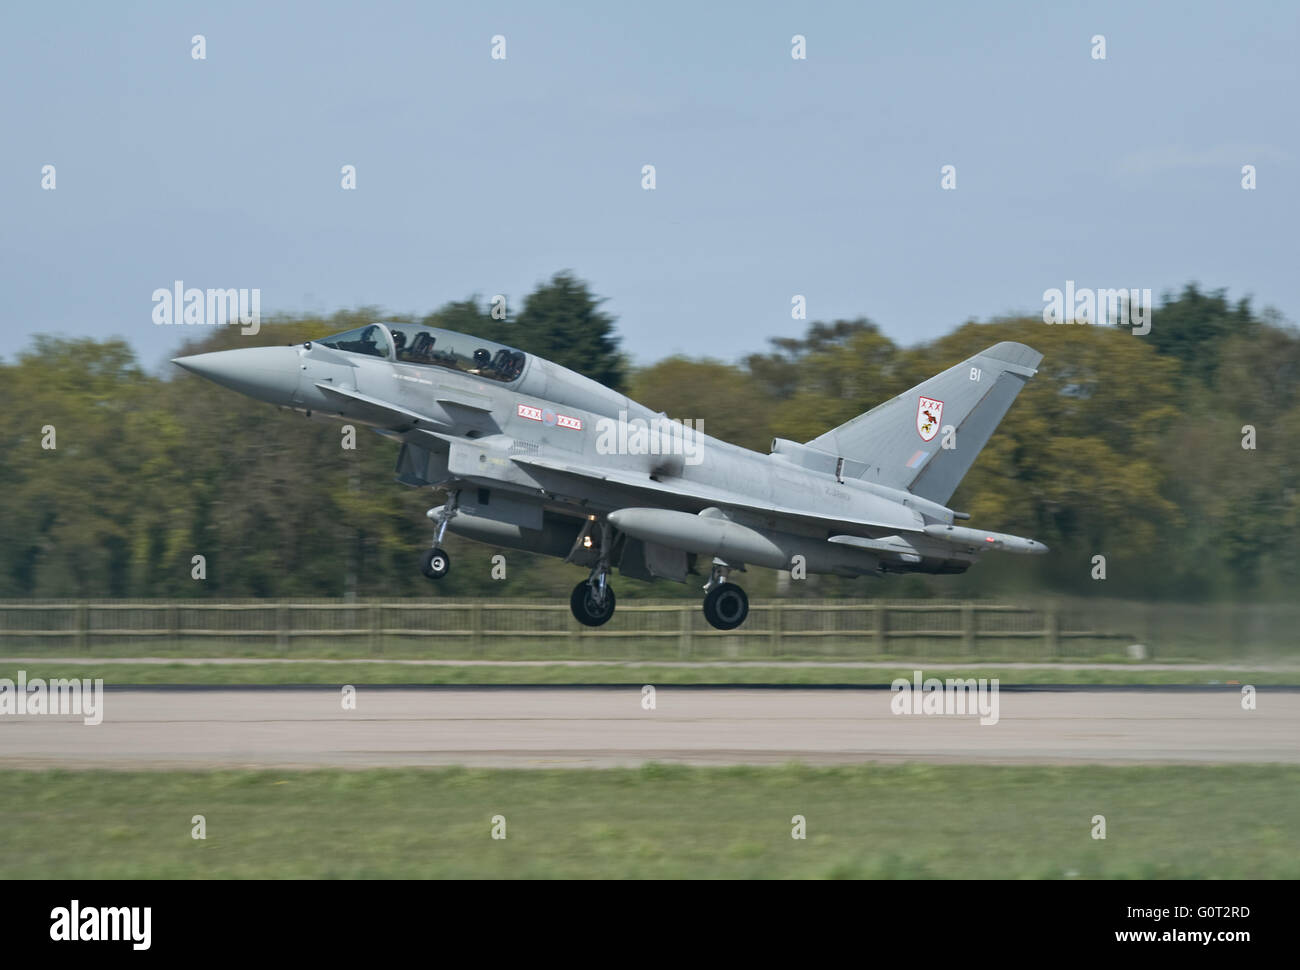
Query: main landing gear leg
[[593, 600]]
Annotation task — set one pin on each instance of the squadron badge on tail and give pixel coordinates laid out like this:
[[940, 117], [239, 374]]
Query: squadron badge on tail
[[929, 412]]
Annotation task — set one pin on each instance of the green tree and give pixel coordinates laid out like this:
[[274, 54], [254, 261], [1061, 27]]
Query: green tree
[[729, 401], [1194, 327], [1122, 446], [562, 322]]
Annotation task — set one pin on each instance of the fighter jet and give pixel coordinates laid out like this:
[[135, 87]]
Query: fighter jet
[[534, 456]]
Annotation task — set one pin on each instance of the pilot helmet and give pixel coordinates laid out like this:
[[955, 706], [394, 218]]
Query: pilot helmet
[[481, 357]]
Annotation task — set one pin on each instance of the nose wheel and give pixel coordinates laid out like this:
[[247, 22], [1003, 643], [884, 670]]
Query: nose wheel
[[435, 563]]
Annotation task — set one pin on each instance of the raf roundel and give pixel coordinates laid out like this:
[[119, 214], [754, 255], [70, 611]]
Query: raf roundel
[[929, 412]]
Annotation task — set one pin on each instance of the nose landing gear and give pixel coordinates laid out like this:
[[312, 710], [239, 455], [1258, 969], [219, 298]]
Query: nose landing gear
[[435, 562]]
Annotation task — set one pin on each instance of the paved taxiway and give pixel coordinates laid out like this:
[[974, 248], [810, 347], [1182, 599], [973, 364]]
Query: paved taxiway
[[601, 727]]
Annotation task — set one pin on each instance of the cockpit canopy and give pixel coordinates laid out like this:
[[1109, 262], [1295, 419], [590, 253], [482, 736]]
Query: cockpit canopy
[[413, 343]]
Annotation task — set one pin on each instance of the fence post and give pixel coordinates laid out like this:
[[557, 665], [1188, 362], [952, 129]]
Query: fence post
[[882, 626], [375, 644], [777, 627], [968, 629], [1053, 620], [282, 627], [684, 638], [83, 628], [476, 627]]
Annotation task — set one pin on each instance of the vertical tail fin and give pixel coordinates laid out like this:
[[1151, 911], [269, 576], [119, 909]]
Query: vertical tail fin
[[901, 442]]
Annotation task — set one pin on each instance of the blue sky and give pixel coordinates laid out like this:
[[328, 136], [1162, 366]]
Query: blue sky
[[775, 177]]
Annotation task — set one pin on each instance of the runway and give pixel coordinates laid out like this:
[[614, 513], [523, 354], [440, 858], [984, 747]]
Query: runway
[[1233, 666], [170, 728]]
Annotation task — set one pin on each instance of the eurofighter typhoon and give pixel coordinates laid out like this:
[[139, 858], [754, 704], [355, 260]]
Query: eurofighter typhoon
[[534, 456]]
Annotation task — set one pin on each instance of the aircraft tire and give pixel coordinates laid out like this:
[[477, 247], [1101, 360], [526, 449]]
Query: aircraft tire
[[435, 563], [726, 606], [585, 609]]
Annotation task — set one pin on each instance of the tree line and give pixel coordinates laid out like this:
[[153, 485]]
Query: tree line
[[1169, 455]]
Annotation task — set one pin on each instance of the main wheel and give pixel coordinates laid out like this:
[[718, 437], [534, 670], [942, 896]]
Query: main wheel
[[585, 608], [434, 564], [726, 606]]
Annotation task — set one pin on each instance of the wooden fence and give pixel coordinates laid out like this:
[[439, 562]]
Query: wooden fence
[[456, 628]]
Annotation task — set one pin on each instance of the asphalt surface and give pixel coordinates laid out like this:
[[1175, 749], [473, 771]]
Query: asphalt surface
[[17, 662], [560, 727]]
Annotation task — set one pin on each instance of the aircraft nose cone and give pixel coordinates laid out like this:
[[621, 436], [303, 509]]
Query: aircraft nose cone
[[266, 373]]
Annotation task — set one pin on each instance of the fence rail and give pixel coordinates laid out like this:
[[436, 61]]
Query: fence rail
[[642, 629]]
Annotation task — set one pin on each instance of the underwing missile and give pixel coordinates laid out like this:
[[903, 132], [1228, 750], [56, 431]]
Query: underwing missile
[[989, 540]]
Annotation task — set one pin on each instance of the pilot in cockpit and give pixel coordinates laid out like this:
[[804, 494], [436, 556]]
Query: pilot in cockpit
[[422, 348]]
